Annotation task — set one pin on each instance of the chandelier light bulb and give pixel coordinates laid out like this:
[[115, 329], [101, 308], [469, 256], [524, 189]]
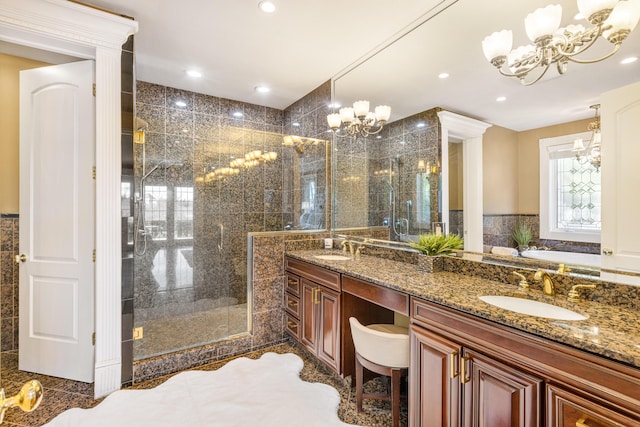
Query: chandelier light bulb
[[383, 112], [361, 108], [588, 8], [497, 44], [623, 18], [346, 115], [543, 22]]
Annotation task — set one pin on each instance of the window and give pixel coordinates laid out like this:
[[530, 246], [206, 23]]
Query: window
[[155, 211], [570, 193], [183, 213]]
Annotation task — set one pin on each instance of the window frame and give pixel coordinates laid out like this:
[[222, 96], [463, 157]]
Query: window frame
[[549, 191]]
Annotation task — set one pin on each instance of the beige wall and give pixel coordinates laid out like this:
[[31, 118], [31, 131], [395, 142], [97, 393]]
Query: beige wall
[[10, 67], [500, 171], [511, 167], [455, 177]]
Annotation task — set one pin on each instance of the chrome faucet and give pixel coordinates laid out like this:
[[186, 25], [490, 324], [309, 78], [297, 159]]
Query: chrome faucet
[[548, 287]]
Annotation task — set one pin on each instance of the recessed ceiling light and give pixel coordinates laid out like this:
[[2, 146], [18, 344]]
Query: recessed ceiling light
[[262, 89], [194, 73], [238, 114], [378, 136], [420, 125], [501, 99], [181, 103], [443, 75], [334, 105], [267, 6], [629, 60], [296, 124]]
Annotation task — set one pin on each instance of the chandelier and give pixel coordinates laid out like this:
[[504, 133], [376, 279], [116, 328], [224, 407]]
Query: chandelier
[[590, 153], [358, 120], [300, 143], [611, 19]]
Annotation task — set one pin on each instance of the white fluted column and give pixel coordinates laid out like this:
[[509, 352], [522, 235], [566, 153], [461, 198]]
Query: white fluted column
[[108, 224]]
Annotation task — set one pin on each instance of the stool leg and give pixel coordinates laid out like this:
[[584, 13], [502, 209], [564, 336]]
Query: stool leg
[[359, 378], [395, 396]]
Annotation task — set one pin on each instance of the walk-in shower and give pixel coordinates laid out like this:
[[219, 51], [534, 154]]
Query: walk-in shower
[[204, 180]]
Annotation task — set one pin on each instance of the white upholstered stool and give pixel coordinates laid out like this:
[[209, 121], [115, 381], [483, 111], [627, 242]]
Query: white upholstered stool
[[383, 349]]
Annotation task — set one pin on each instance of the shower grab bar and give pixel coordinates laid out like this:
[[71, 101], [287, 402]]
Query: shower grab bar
[[221, 239]]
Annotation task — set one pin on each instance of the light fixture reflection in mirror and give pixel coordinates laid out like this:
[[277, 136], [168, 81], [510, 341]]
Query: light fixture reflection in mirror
[[590, 153], [612, 19], [358, 120]]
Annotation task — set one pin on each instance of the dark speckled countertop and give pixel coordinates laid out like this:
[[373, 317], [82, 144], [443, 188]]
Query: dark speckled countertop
[[609, 330]]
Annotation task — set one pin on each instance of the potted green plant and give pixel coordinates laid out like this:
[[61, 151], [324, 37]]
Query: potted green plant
[[522, 234], [433, 245]]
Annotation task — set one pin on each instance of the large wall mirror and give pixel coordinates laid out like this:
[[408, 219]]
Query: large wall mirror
[[407, 178]]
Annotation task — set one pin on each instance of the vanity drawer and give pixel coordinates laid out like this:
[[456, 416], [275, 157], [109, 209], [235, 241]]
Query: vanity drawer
[[292, 284], [292, 304], [565, 409], [320, 275], [384, 297], [292, 326]]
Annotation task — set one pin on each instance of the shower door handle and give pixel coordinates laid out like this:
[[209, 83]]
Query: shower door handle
[[221, 239]]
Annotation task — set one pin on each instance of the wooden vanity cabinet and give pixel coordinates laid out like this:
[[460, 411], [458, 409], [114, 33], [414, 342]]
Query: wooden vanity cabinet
[[467, 371], [456, 386], [318, 309]]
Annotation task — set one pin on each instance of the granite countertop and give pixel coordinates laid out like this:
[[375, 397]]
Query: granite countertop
[[609, 330]]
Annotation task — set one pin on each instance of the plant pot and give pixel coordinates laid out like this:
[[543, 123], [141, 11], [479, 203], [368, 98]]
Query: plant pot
[[430, 264], [522, 248]]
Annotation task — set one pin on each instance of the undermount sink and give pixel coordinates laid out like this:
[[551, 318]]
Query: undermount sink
[[333, 257], [532, 308]]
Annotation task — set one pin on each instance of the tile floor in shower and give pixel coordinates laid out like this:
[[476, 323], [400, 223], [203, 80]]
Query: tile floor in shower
[[60, 394], [165, 335]]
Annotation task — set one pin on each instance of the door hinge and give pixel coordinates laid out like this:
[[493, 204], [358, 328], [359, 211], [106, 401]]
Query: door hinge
[[94, 89], [93, 338], [93, 172], [93, 256], [138, 333]]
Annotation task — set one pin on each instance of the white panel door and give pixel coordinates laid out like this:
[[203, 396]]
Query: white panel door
[[57, 216], [621, 178]]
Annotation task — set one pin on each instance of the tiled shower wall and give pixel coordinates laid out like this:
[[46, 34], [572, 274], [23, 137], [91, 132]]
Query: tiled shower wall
[[408, 147], [9, 247], [196, 140]]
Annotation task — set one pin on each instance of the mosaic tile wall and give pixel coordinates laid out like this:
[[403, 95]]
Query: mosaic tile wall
[[9, 247]]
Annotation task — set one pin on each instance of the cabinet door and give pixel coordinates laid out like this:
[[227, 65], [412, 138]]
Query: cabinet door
[[308, 316], [496, 395], [565, 409], [329, 327], [621, 179], [434, 393]]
